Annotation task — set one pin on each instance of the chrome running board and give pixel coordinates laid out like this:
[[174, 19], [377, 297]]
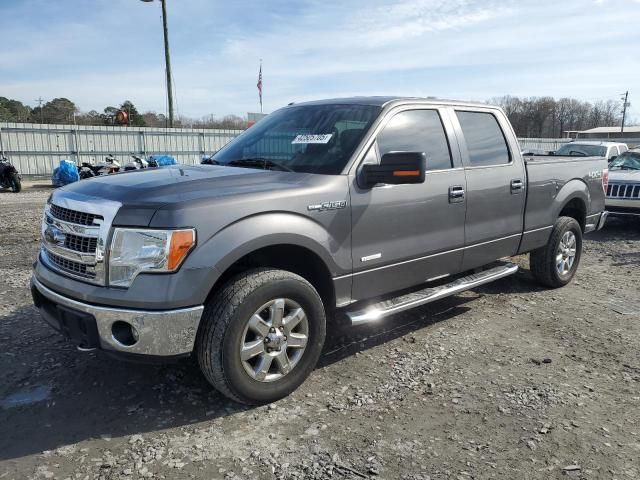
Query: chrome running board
[[385, 308]]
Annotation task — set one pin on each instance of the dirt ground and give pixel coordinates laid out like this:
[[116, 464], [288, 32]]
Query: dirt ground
[[508, 381]]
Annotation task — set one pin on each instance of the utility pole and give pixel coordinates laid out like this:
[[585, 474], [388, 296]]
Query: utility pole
[[625, 104], [40, 100], [167, 61], [166, 58]]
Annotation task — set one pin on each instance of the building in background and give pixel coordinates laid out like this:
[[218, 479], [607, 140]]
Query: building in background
[[630, 136]]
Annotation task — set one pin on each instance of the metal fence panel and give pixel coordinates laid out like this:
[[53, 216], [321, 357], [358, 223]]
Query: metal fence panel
[[542, 144], [36, 149]]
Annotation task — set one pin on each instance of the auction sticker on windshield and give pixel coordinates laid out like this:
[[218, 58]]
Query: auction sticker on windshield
[[321, 138]]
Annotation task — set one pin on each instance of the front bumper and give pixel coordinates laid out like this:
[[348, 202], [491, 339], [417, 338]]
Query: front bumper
[[166, 333]]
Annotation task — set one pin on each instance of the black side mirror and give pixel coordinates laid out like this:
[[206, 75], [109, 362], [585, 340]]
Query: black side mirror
[[396, 168], [612, 158]]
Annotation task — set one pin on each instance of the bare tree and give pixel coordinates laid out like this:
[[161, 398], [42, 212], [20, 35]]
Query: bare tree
[[548, 117]]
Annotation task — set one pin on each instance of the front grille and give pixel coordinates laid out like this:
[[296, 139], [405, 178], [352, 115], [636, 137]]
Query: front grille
[[623, 190], [73, 216], [69, 266], [80, 244]]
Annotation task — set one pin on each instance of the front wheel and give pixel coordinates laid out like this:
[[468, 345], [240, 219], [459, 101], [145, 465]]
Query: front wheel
[[555, 264], [261, 335], [16, 184]]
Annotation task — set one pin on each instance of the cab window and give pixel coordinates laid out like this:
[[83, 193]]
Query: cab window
[[417, 131], [484, 138]]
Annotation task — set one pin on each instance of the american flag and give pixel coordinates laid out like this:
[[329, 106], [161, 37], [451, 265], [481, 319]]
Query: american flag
[[259, 85]]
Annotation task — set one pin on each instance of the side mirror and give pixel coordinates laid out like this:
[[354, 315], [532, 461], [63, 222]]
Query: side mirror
[[396, 168], [612, 158]]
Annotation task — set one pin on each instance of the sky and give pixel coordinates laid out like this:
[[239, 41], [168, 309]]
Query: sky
[[101, 52]]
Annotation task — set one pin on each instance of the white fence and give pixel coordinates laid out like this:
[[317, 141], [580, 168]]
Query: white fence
[[542, 145], [36, 149]]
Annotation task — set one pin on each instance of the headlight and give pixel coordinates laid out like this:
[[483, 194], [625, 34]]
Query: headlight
[[134, 251]]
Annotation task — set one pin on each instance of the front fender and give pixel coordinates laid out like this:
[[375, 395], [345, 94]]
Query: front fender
[[251, 233]]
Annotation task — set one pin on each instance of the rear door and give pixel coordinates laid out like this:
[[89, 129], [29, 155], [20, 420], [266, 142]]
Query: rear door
[[404, 235], [496, 183]]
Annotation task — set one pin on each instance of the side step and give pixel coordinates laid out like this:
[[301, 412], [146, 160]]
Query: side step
[[405, 302]]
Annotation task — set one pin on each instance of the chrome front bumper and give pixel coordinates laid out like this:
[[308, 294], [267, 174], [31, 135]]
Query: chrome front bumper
[[159, 333]]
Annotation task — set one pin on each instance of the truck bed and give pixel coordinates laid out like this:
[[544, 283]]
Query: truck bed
[[552, 182]]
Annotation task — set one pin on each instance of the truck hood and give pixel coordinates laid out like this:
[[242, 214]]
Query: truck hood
[[624, 175], [185, 195], [178, 184]]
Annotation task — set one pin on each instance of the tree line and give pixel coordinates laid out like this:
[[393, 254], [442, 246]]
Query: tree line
[[64, 111], [546, 117], [541, 117]]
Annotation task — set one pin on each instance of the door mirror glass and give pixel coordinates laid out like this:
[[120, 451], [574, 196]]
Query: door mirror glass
[[396, 168]]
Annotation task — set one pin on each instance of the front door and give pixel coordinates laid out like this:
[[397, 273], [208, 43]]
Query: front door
[[496, 185], [405, 235]]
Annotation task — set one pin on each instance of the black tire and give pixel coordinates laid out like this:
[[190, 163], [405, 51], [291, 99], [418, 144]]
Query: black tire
[[542, 261], [223, 323], [16, 184]]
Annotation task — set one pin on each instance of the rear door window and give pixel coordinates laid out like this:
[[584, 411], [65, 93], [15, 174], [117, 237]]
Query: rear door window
[[485, 141], [417, 131]]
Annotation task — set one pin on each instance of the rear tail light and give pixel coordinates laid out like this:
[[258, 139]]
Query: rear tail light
[[605, 180]]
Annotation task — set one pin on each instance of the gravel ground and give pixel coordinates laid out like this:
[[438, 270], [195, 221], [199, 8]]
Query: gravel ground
[[507, 381]]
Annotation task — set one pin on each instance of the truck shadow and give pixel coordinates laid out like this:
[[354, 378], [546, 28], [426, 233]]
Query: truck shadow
[[52, 395], [617, 229]]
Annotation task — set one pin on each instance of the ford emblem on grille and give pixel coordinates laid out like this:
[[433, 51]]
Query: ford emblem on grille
[[54, 236]]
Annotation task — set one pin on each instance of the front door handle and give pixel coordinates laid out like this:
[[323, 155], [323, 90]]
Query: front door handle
[[517, 186], [456, 194]]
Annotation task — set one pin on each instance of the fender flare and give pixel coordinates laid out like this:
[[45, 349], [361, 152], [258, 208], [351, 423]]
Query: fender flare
[[573, 189], [252, 233]]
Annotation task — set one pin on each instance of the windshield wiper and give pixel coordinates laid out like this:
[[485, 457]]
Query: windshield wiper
[[265, 163]]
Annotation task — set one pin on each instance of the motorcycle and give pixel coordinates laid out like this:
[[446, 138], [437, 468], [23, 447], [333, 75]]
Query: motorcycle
[[137, 163], [110, 165], [9, 176]]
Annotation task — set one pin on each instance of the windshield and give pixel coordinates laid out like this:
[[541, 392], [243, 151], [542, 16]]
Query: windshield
[[626, 161], [306, 138], [581, 150]]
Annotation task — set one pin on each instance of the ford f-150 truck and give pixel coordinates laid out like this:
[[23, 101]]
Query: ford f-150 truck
[[352, 208]]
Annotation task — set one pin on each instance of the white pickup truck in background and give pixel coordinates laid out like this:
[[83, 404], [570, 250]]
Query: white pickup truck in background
[[608, 150]]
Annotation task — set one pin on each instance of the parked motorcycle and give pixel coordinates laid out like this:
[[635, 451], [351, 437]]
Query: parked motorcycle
[[109, 166], [137, 163], [9, 176]]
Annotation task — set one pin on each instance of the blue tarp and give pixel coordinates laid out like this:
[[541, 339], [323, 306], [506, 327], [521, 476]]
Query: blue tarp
[[65, 173], [163, 160]]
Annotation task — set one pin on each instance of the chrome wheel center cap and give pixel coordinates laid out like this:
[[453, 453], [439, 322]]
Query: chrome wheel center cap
[[275, 340]]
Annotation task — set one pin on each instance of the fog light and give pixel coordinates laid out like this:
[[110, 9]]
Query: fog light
[[124, 333]]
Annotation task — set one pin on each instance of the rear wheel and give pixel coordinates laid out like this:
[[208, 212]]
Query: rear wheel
[[555, 264], [16, 184], [261, 335]]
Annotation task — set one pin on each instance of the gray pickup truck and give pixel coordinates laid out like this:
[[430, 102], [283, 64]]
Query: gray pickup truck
[[353, 208]]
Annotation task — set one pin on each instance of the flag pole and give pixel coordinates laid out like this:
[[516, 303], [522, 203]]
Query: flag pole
[[260, 85]]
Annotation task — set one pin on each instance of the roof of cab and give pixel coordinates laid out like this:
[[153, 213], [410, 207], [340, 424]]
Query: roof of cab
[[383, 101]]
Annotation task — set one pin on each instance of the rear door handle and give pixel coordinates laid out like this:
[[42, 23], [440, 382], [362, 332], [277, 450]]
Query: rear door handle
[[456, 194], [517, 186]]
